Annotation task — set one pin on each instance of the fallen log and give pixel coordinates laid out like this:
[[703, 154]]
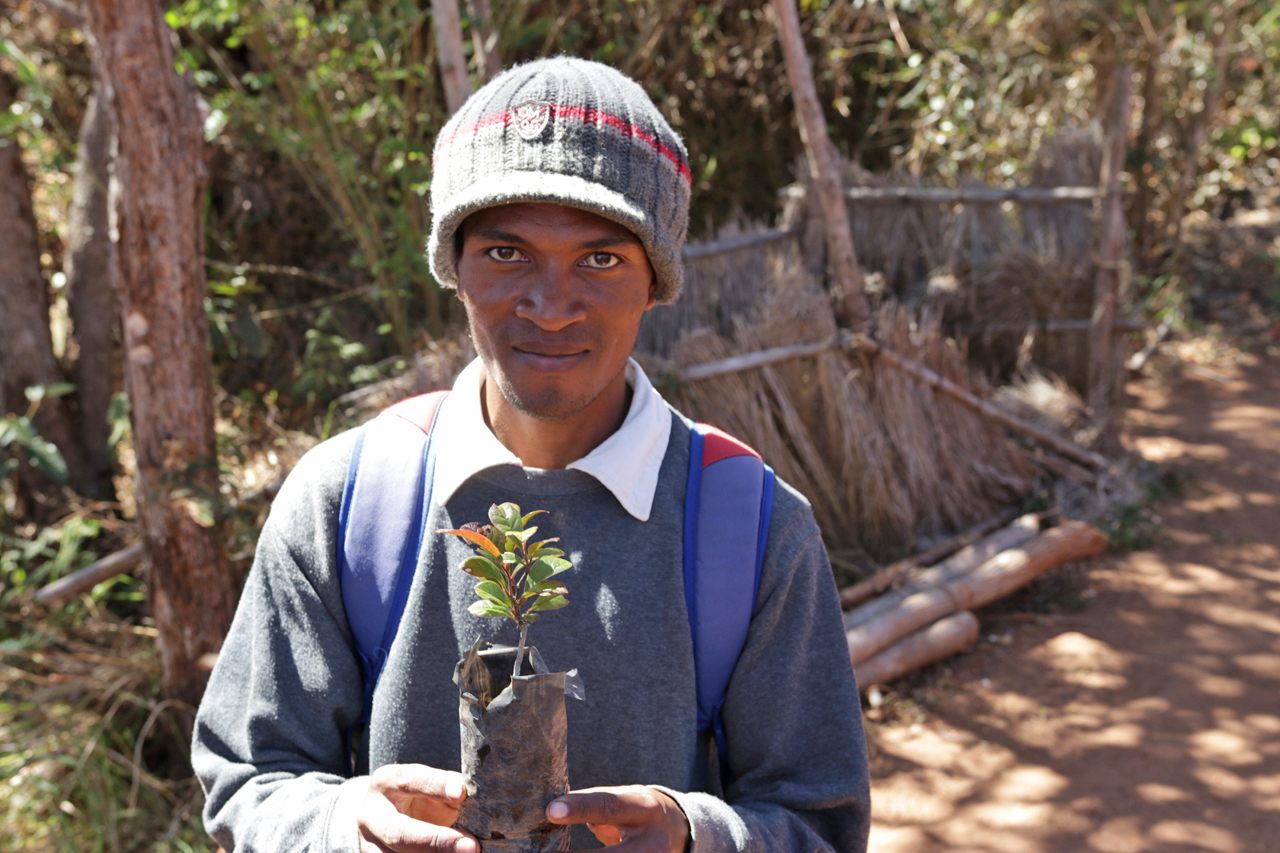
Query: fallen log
[[1020, 532], [993, 580], [886, 577], [944, 638], [90, 576]]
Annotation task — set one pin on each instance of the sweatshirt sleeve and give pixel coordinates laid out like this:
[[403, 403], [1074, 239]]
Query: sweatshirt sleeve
[[270, 740], [797, 776]]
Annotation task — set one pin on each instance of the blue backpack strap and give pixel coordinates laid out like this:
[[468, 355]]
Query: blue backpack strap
[[728, 500], [380, 527]]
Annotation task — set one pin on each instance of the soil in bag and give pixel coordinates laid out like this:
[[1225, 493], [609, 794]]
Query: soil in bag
[[514, 748]]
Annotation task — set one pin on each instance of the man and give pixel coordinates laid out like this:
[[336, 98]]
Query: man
[[559, 212]]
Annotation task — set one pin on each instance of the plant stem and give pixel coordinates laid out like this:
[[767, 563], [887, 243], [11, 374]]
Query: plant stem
[[524, 631]]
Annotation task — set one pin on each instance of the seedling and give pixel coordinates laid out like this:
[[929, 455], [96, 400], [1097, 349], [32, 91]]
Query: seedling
[[517, 574]]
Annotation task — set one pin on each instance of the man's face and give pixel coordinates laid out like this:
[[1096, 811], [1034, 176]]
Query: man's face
[[554, 297]]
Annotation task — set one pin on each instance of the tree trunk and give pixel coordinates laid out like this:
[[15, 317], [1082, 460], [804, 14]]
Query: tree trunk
[[160, 179], [91, 285], [26, 346], [847, 287]]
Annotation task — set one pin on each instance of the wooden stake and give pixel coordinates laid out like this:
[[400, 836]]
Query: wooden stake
[[847, 287], [1105, 355]]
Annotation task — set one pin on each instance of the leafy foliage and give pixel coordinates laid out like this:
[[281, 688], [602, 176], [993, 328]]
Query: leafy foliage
[[517, 574]]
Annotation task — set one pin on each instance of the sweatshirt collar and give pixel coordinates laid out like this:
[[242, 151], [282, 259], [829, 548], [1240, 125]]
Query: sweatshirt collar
[[626, 463]]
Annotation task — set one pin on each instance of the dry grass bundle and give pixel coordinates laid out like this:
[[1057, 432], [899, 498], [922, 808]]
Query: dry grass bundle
[[719, 290], [883, 460], [902, 241], [1071, 157]]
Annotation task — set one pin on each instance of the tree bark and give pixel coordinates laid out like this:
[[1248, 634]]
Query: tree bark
[[847, 287], [91, 284], [160, 180], [26, 345]]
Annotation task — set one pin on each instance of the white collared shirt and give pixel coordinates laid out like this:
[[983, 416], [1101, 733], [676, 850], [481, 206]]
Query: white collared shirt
[[626, 463]]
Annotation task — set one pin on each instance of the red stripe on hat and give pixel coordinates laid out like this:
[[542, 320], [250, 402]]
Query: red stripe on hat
[[587, 115]]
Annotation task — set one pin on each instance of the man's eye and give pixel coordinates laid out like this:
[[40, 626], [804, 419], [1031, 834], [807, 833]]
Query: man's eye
[[601, 260], [505, 254]]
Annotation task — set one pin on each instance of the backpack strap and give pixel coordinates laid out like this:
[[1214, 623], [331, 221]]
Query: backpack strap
[[380, 527], [728, 501]]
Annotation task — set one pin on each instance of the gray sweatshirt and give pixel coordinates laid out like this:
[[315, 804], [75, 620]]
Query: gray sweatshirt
[[269, 736]]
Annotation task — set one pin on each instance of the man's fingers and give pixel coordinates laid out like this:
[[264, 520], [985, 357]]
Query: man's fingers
[[419, 780], [626, 806], [383, 826]]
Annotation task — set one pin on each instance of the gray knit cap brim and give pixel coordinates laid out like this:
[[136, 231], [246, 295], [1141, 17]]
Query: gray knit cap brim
[[571, 132], [537, 187]]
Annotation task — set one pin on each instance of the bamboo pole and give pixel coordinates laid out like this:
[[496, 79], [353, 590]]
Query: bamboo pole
[[447, 23], [847, 286], [944, 638], [886, 577], [993, 580], [1105, 354]]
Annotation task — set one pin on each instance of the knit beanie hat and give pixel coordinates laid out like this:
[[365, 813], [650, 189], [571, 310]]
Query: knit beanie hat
[[564, 131]]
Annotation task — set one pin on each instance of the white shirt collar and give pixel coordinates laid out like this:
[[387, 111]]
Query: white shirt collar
[[626, 463]]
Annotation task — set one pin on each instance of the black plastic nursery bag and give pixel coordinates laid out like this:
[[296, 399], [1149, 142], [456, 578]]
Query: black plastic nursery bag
[[514, 748]]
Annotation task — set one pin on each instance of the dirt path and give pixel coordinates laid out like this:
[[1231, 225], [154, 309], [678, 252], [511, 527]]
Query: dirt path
[[1149, 720]]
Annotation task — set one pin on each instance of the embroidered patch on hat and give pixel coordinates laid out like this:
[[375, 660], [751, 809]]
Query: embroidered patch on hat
[[531, 119]]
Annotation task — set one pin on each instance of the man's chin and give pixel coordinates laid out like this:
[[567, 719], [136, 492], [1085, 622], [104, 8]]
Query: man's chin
[[549, 404]]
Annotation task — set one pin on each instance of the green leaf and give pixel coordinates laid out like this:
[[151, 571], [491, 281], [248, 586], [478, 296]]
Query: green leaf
[[536, 548], [493, 592], [526, 534], [487, 608], [45, 456], [525, 521], [505, 517], [548, 566], [483, 568], [550, 552], [552, 602]]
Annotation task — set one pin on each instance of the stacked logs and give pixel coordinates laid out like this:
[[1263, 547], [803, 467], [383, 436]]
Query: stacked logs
[[928, 616]]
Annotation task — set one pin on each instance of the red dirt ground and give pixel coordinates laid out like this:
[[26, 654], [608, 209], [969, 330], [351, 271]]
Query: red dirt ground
[[1148, 720]]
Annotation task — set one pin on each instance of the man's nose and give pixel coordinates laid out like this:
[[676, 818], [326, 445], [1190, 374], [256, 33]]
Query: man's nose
[[553, 298]]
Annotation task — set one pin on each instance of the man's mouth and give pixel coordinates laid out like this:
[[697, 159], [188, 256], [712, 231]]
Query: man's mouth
[[549, 357]]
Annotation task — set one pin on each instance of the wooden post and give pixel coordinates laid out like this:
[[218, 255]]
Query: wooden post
[[847, 287], [1106, 368], [447, 23]]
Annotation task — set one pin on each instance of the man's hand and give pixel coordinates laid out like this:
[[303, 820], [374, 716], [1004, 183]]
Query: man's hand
[[631, 819], [409, 808]]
